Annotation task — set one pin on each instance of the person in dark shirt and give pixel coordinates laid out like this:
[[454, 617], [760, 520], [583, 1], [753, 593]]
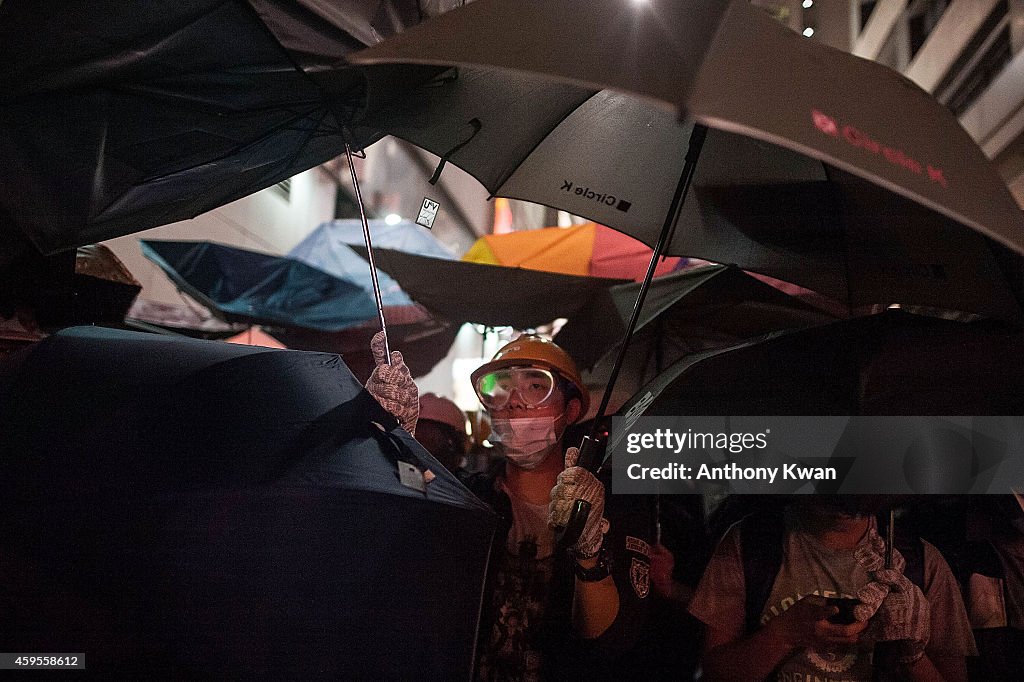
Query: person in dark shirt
[[550, 614]]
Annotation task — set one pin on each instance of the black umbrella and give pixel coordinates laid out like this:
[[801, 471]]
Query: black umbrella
[[492, 295], [217, 510], [89, 285], [706, 60], [756, 205], [685, 312], [892, 363], [424, 339], [727, 65], [146, 117]]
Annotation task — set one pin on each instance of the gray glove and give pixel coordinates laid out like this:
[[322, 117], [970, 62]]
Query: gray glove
[[871, 556], [576, 483], [392, 385], [898, 609]]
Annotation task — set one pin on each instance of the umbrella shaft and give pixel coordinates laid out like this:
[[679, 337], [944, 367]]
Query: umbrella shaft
[[693, 153], [369, 252], [890, 537]]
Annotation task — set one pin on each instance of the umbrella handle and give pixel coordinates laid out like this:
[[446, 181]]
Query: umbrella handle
[[570, 535]]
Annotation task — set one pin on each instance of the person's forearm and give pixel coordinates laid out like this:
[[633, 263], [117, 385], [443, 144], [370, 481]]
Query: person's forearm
[[752, 658], [595, 604]]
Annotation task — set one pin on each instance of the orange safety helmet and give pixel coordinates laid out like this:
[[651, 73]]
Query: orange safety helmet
[[531, 350]]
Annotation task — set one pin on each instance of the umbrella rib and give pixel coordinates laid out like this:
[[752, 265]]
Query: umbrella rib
[[846, 246], [278, 128], [539, 142]]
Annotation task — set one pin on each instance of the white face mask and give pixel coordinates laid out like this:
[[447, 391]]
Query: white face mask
[[526, 440]]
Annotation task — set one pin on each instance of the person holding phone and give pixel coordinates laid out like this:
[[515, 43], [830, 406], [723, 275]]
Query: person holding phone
[[807, 596]]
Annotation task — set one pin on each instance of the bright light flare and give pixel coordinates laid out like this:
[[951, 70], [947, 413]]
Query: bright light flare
[[392, 219]]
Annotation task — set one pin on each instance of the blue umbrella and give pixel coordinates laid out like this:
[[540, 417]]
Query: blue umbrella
[[322, 246], [213, 510], [247, 286]]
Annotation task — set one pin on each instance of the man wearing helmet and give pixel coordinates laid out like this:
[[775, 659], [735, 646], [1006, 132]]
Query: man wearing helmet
[[548, 613], [441, 429]]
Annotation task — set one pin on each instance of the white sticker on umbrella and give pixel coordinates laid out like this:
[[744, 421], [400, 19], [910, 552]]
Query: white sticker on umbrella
[[410, 476], [428, 211]]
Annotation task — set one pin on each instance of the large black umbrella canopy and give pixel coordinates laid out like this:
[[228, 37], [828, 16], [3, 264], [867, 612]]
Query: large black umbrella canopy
[[893, 363], [685, 312], [113, 121], [765, 208], [215, 510], [706, 60], [491, 295]]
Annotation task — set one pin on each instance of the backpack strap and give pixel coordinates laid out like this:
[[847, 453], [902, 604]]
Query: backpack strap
[[761, 548]]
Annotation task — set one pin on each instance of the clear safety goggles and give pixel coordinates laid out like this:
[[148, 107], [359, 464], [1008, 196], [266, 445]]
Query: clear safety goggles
[[533, 384]]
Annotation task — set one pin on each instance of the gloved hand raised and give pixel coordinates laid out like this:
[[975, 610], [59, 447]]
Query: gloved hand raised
[[871, 556], [898, 609], [576, 483], [392, 385]]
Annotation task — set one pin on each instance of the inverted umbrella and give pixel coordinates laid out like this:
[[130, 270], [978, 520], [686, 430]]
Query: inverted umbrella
[[216, 510], [491, 295], [323, 247], [332, 247], [253, 287], [307, 308], [588, 249], [159, 114]]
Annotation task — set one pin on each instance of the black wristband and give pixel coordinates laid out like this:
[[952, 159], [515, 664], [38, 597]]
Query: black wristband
[[602, 570]]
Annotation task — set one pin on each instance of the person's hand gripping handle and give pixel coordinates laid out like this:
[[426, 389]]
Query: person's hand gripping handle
[[573, 518]]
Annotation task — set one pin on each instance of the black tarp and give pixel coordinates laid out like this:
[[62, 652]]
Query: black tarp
[[190, 509]]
